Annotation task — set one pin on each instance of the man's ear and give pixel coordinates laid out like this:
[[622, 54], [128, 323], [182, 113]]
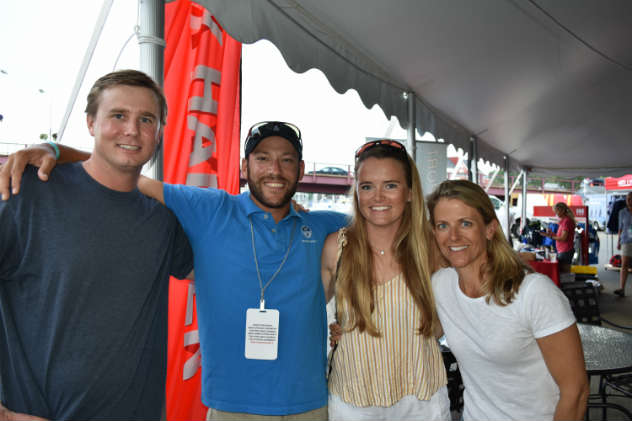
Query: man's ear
[[159, 134], [90, 123], [301, 170], [244, 168]]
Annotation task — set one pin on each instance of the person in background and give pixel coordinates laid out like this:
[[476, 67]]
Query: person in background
[[387, 364], [624, 243], [564, 237], [512, 331], [85, 261]]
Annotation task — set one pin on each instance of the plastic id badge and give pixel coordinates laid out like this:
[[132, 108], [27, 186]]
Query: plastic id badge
[[262, 334]]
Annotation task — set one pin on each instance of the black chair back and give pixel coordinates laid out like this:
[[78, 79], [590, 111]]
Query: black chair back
[[584, 302]]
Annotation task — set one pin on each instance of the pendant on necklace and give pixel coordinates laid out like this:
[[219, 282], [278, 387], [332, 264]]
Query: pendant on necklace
[[381, 252]]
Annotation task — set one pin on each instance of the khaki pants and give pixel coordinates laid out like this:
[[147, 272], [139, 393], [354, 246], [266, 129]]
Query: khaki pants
[[319, 414]]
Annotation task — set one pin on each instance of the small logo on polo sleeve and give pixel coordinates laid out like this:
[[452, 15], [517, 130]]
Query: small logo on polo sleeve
[[307, 231]]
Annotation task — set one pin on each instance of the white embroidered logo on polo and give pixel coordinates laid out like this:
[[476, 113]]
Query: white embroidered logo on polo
[[307, 231]]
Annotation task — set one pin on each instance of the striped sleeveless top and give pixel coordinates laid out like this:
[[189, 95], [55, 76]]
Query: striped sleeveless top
[[379, 371]]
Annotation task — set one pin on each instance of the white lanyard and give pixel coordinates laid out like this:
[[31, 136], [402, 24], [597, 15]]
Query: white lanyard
[[254, 251]]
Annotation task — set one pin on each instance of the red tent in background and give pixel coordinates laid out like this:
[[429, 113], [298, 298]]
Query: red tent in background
[[621, 183], [201, 148]]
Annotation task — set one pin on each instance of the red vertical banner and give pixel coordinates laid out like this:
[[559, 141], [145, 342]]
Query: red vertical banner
[[201, 148]]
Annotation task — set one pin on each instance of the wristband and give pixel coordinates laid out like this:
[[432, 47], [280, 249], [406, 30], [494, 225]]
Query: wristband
[[55, 148]]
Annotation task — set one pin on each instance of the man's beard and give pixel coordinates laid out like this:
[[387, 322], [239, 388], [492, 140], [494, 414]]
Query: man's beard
[[258, 193]]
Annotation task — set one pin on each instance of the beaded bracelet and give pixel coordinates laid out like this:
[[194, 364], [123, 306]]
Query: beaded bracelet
[[55, 148]]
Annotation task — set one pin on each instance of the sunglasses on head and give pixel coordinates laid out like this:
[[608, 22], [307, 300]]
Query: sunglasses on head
[[380, 142]]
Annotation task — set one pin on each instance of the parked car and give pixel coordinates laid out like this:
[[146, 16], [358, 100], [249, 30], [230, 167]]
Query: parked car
[[331, 171]]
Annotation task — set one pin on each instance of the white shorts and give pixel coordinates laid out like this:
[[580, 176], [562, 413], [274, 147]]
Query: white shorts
[[626, 249], [407, 408]]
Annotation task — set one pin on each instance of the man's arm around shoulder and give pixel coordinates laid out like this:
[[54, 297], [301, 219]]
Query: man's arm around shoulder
[[6, 415], [152, 188], [42, 156]]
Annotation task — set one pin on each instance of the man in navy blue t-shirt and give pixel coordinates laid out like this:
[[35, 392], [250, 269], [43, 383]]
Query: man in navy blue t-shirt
[[85, 261]]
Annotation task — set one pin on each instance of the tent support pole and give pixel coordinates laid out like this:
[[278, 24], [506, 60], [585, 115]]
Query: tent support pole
[[412, 145], [492, 178], [96, 33], [523, 205], [506, 186], [151, 42], [515, 183], [473, 160]]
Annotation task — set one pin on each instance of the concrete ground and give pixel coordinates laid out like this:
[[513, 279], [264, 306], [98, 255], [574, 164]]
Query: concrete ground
[[613, 308]]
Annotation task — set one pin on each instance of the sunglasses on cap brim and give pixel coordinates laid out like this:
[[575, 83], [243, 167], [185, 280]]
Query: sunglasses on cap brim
[[265, 129], [272, 128]]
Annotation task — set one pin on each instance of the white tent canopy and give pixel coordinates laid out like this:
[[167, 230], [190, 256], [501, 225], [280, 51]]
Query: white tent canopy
[[547, 83]]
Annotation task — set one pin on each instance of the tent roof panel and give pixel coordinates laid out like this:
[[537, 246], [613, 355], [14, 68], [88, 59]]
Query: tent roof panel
[[547, 83]]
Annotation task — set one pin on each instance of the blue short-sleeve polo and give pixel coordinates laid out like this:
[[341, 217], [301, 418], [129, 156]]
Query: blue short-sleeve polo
[[219, 228]]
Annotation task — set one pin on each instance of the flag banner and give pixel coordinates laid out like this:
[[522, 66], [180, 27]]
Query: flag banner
[[201, 148], [432, 163]]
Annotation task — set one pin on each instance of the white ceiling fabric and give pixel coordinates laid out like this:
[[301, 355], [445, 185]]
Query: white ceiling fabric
[[547, 83]]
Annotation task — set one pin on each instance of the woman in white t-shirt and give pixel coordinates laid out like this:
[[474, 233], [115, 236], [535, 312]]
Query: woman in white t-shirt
[[512, 331]]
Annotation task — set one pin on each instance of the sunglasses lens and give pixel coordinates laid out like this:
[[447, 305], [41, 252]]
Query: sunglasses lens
[[295, 129], [385, 142], [267, 128]]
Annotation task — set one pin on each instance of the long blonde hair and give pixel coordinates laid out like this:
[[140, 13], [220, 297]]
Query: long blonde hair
[[504, 271], [565, 210], [356, 280]]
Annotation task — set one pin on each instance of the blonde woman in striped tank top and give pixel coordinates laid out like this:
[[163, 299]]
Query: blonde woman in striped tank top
[[387, 364]]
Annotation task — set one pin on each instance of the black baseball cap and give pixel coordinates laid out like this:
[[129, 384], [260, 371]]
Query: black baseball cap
[[265, 129]]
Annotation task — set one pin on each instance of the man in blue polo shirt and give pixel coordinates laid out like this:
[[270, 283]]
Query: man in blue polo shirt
[[261, 304], [254, 251]]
